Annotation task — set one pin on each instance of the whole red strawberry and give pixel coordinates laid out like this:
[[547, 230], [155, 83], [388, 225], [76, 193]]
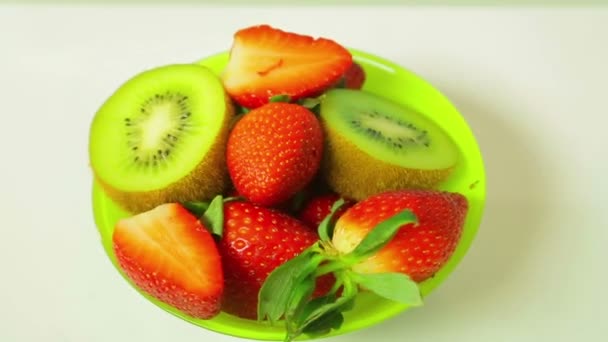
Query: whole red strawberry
[[273, 152], [354, 77], [416, 250], [167, 253], [318, 207], [265, 61], [255, 241]]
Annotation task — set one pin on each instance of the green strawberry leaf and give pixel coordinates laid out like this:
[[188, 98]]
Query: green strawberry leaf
[[280, 98], [196, 208], [326, 228], [214, 216], [341, 304], [381, 235], [313, 305], [394, 286], [277, 293], [311, 103], [300, 295], [240, 110], [323, 325], [322, 313]]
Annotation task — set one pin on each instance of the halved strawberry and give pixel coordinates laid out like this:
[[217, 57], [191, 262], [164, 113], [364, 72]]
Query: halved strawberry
[[265, 61], [167, 253]]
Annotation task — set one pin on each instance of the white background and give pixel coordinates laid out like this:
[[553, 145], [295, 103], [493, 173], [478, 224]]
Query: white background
[[532, 83]]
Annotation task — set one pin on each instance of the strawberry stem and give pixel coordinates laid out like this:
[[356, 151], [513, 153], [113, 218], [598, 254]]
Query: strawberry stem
[[325, 313], [326, 228], [337, 285], [280, 98], [331, 267]]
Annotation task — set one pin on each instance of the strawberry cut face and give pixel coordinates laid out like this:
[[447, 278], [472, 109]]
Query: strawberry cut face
[[169, 254], [265, 62]]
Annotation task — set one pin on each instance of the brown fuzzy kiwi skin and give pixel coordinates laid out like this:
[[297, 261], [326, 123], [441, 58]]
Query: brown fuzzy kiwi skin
[[354, 174], [208, 179]]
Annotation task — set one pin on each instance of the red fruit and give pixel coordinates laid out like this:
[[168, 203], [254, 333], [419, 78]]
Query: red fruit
[[318, 207], [167, 253], [255, 241], [419, 251], [265, 61], [354, 77], [273, 152]]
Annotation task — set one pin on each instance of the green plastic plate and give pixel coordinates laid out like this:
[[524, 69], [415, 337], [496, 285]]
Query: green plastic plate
[[392, 81]]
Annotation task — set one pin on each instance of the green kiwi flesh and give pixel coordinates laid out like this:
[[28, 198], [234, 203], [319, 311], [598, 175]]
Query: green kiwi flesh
[[374, 144], [161, 138]]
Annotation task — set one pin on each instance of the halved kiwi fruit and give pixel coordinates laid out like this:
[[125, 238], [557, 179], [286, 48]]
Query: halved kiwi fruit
[[161, 138], [374, 144]]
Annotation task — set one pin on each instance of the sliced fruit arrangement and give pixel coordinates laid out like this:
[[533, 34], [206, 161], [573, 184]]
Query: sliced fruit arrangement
[[333, 190], [161, 138]]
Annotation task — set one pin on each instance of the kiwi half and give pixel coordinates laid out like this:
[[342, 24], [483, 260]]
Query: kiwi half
[[375, 145], [161, 138]]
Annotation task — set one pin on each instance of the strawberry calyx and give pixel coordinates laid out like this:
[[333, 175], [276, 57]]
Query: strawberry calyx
[[286, 293], [310, 103], [211, 213], [280, 98], [326, 228]]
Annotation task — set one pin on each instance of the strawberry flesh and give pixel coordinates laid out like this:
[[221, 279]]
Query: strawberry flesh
[[265, 61], [168, 254]]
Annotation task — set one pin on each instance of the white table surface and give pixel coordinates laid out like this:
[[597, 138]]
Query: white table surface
[[532, 83]]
